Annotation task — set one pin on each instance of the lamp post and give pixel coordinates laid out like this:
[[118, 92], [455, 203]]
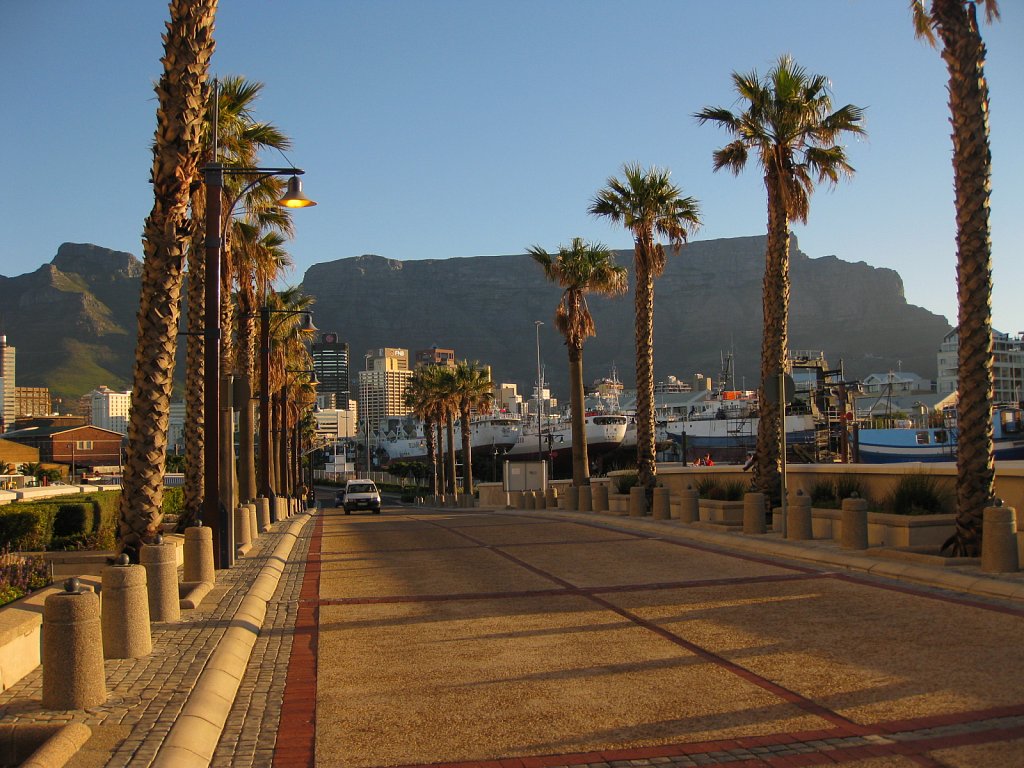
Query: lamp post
[[366, 414], [215, 513], [540, 451]]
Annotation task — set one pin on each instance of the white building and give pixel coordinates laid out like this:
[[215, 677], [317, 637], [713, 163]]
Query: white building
[[176, 429], [109, 409], [1007, 365], [382, 385], [894, 382], [8, 401]]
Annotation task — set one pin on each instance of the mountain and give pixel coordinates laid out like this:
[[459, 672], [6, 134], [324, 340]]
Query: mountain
[[707, 302], [73, 320]]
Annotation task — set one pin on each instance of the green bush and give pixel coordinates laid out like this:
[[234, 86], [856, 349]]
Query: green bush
[[74, 519], [23, 529], [624, 482], [174, 501], [919, 494]]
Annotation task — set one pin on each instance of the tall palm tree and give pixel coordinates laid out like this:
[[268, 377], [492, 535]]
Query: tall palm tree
[[474, 391], [181, 94], [649, 205], [955, 22], [580, 269], [789, 123], [419, 398]]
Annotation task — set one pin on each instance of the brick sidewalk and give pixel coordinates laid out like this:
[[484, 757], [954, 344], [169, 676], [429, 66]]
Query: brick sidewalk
[[146, 695]]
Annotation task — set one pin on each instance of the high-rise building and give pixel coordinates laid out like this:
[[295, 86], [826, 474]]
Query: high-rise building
[[33, 401], [109, 409], [331, 363], [8, 398], [1007, 365], [435, 356], [382, 385]]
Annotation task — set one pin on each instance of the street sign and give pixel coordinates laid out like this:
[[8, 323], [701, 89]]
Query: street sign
[[771, 388]]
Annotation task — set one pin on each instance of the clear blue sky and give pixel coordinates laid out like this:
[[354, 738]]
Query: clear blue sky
[[471, 127]]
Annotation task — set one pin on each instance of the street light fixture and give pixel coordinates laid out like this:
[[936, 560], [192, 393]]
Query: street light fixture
[[215, 513]]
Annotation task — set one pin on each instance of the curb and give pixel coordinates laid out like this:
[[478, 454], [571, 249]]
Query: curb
[[193, 739], [982, 585]]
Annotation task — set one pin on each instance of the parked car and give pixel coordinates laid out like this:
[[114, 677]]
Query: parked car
[[361, 494]]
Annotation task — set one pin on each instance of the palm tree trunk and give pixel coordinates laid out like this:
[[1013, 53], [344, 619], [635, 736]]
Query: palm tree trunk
[[467, 454], [441, 468], [275, 441], [188, 46], [428, 435], [282, 447], [449, 423], [964, 53], [644, 306], [194, 372], [774, 341], [580, 461]]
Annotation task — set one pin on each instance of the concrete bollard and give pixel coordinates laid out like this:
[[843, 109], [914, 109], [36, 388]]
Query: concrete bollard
[[124, 615], [162, 579], [72, 653], [689, 505], [551, 498], [798, 518], [254, 528], [280, 508], [660, 507], [198, 555], [263, 514], [585, 498], [572, 498], [599, 497], [637, 501], [999, 539], [243, 537], [853, 525], [531, 499], [753, 513]]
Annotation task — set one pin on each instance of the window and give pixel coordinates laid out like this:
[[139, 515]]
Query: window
[[922, 438], [83, 445]]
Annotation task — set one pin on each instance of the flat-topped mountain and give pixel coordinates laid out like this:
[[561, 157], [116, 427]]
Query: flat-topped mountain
[[707, 302], [73, 320]]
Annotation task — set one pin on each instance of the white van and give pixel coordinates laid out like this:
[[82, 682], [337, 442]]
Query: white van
[[361, 494]]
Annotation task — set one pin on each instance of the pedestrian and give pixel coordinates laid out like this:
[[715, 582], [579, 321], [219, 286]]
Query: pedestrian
[[706, 461]]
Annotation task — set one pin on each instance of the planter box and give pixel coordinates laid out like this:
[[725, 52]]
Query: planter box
[[721, 512], [884, 530], [618, 504]]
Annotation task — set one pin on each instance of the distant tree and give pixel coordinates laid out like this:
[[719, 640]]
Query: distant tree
[[789, 124], [580, 268], [649, 205], [955, 23], [473, 391]]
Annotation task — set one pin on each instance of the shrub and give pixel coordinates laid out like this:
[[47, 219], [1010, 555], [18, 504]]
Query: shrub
[[847, 485], [75, 519], [624, 482], [31, 527], [734, 490], [823, 494], [919, 494]]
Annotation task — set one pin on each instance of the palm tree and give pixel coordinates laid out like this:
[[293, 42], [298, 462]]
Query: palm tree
[[473, 391], [955, 22], [181, 94], [789, 123], [419, 398], [649, 205], [580, 269]]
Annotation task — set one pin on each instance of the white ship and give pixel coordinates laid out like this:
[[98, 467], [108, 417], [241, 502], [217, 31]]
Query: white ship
[[604, 433], [490, 434]]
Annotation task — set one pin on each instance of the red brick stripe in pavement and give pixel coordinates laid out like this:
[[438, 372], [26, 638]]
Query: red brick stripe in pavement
[[296, 735]]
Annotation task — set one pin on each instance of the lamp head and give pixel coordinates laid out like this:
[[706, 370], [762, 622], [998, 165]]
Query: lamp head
[[294, 196], [306, 323]]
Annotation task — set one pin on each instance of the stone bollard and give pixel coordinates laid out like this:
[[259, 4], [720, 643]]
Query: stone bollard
[[198, 555], [637, 501], [162, 579], [599, 497], [585, 498], [531, 499], [281, 508], [999, 539], [798, 518], [753, 513], [263, 513], [689, 505], [660, 508], [254, 527], [125, 612], [551, 498], [72, 653], [243, 537], [853, 525], [571, 497]]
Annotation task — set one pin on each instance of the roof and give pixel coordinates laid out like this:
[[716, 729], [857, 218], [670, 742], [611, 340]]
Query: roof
[[50, 431]]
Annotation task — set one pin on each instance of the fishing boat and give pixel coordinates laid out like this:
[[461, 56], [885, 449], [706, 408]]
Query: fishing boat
[[931, 444]]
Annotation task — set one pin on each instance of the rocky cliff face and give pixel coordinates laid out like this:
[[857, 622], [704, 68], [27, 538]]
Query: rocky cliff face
[[73, 320], [707, 302]]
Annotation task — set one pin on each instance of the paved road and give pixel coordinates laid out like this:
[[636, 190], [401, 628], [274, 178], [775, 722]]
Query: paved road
[[466, 637]]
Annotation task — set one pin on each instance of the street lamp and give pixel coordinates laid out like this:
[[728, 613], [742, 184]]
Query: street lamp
[[214, 510], [366, 413]]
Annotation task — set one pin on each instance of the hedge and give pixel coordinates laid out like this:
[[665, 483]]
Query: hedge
[[68, 522]]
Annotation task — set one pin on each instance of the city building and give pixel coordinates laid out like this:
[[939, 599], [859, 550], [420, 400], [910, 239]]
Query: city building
[[87, 447], [331, 361], [508, 400], [32, 401], [435, 356], [109, 409], [176, 429], [894, 382], [337, 423], [1007, 365], [15, 454], [382, 385], [8, 398]]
